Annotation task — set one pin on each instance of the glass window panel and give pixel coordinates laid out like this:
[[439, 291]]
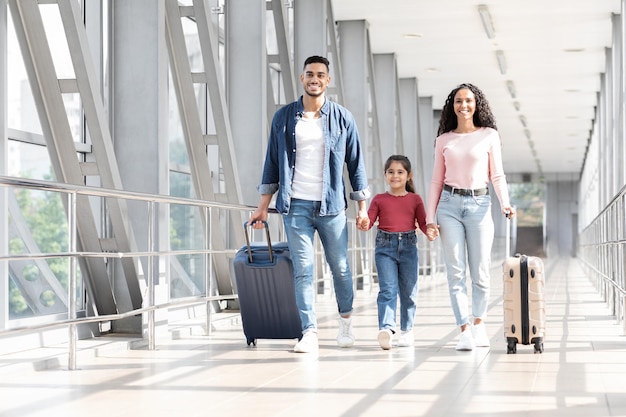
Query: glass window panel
[[29, 161], [74, 111], [190, 29], [186, 233], [179, 158], [57, 41], [38, 287], [21, 110]]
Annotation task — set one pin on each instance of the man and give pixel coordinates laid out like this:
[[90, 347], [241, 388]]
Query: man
[[309, 142]]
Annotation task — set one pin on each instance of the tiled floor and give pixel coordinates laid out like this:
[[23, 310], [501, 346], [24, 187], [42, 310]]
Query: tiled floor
[[581, 373]]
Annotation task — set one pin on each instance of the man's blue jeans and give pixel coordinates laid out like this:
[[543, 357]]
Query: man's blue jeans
[[396, 263], [466, 230], [300, 226]]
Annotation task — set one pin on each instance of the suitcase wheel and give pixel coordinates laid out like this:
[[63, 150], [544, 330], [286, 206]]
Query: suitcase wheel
[[251, 341], [511, 346], [538, 347]]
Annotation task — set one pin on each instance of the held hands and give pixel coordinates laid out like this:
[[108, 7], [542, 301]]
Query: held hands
[[363, 221], [432, 231]]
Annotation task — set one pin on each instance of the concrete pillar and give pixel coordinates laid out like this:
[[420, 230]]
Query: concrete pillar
[[428, 130], [562, 215], [385, 80], [140, 114], [355, 63], [411, 137], [310, 32], [246, 90], [4, 149]]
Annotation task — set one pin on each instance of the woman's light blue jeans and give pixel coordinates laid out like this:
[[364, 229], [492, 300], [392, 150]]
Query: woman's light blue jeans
[[467, 231], [300, 226], [396, 263]]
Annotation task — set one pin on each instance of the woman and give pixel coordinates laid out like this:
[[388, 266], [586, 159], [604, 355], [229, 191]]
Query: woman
[[467, 158]]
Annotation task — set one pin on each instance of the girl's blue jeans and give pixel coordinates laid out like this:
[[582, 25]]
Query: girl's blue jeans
[[396, 263]]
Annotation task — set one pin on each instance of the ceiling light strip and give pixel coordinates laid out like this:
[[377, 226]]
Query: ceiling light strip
[[485, 16]]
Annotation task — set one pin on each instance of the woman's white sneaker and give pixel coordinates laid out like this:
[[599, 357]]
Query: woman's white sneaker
[[480, 335], [466, 341], [405, 339]]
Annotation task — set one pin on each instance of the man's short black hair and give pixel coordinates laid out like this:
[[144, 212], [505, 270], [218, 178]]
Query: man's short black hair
[[316, 59]]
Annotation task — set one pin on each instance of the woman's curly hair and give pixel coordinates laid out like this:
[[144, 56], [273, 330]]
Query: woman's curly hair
[[483, 117]]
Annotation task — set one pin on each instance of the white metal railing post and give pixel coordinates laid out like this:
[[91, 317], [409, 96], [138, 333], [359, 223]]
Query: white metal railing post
[[208, 284], [72, 285], [150, 273]]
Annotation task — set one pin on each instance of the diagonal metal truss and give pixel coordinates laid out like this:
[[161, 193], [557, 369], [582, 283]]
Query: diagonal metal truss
[[196, 139], [48, 92], [283, 58]]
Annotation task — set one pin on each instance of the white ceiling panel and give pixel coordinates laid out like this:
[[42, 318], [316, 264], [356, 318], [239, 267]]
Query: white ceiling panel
[[554, 53]]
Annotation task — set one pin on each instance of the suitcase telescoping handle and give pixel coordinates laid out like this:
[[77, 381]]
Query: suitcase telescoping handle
[[507, 235], [269, 241]]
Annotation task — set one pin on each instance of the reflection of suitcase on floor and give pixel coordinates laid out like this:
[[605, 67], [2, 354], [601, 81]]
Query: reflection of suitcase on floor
[[524, 301], [265, 285]]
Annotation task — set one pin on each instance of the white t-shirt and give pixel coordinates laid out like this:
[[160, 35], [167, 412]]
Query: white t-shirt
[[307, 178]]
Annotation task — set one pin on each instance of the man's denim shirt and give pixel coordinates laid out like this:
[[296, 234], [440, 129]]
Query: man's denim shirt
[[342, 144]]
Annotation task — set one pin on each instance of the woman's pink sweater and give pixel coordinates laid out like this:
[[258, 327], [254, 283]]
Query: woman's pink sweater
[[470, 161]]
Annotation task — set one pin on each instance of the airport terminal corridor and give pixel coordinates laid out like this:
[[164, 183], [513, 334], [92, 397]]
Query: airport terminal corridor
[[580, 372]]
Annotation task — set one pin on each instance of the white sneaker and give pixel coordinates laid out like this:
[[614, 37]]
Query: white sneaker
[[405, 339], [480, 335], [308, 343], [466, 341], [345, 338], [385, 336]]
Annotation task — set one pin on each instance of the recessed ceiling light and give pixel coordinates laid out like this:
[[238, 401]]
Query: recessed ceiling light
[[412, 35], [511, 87], [432, 69], [574, 50]]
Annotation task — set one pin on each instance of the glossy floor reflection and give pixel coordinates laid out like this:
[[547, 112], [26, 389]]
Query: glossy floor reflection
[[581, 373]]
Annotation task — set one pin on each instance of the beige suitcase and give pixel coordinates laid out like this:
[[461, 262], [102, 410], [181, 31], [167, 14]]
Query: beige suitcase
[[524, 302]]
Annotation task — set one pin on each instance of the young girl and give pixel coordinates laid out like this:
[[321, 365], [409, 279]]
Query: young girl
[[398, 211]]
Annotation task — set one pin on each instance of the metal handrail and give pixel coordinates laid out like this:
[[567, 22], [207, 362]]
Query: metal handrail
[[73, 254], [6, 181], [602, 252]]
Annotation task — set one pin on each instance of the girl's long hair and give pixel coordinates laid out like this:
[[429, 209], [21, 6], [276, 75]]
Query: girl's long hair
[[483, 117], [406, 164]]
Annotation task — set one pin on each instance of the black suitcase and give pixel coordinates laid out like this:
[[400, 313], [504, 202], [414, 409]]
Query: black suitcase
[[266, 290]]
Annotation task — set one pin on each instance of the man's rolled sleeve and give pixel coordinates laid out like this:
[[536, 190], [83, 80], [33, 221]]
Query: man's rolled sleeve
[[267, 188], [360, 195]]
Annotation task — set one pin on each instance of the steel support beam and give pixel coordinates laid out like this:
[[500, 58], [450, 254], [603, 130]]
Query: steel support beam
[[246, 87], [409, 110], [196, 138], [55, 125]]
